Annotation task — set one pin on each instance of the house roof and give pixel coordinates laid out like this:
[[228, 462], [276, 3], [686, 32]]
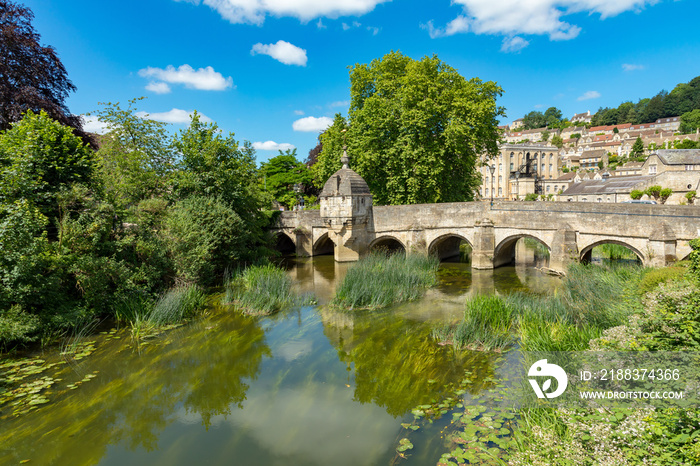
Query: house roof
[[618, 184], [679, 156]]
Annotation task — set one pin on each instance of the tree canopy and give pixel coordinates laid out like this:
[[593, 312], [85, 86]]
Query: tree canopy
[[684, 98], [281, 173], [31, 75], [416, 130]]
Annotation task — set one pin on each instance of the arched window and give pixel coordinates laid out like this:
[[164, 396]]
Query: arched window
[[500, 179], [548, 188], [500, 191]]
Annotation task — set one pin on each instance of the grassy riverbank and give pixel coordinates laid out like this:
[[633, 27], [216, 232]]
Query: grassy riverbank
[[597, 309], [380, 280]]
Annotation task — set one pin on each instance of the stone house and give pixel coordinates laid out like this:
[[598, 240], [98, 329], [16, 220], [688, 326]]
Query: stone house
[[529, 160]]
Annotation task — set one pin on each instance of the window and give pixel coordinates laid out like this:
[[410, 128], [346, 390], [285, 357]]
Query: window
[[652, 169], [500, 167], [511, 166], [547, 188], [500, 179], [500, 191], [542, 168], [689, 167], [486, 191], [550, 167], [582, 200]]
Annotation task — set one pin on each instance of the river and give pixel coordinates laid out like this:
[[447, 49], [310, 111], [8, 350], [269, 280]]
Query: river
[[307, 386]]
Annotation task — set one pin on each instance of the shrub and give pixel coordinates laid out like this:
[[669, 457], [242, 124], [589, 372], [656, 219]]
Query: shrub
[[653, 277], [690, 195], [653, 191], [664, 194], [204, 236], [531, 197]]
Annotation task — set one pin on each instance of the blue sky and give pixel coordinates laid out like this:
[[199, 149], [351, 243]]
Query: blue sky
[[277, 70]]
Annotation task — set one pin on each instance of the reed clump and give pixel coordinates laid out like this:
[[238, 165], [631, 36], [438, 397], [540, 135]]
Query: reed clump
[[592, 299], [148, 317], [381, 279], [262, 290]]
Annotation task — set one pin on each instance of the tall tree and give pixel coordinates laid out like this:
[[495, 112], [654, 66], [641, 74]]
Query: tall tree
[[31, 75], [134, 156], [418, 129], [534, 120], [282, 173], [637, 148], [552, 117], [332, 141]]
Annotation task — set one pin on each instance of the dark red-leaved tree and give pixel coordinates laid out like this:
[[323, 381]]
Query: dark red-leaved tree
[[31, 75]]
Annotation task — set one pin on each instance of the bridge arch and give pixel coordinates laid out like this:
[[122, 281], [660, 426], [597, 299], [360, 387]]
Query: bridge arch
[[387, 242], [284, 243], [504, 253], [585, 254], [323, 246], [447, 245]]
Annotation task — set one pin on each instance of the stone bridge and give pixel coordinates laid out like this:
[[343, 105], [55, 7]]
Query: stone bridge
[[348, 226], [657, 234]]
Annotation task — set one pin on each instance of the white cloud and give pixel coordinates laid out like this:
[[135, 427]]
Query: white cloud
[[320, 24], [631, 67], [298, 112], [339, 103], [312, 124], [514, 44], [345, 27], [158, 88], [203, 79], [282, 51], [373, 30], [589, 95], [255, 11], [540, 17], [175, 116], [92, 125], [272, 145]]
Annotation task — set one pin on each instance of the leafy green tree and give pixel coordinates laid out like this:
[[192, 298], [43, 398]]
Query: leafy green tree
[[134, 158], [691, 196], [39, 157], [280, 174], [690, 121], [557, 141], [664, 194], [332, 141], [653, 191], [637, 148], [534, 120], [685, 144], [552, 117], [545, 136], [216, 166], [204, 236], [418, 129], [636, 194], [531, 197]]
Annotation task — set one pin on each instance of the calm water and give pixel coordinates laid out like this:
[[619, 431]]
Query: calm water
[[305, 387]]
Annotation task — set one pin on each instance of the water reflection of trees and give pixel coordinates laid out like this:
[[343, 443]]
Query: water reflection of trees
[[397, 364], [203, 368]]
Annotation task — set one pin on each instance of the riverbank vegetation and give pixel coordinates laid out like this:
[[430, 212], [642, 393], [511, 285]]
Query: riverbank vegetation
[[381, 279], [599, 308], [262, 290], [132, 231]]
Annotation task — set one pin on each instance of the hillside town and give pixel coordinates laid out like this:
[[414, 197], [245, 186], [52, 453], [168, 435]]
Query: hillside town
[[584, 163]]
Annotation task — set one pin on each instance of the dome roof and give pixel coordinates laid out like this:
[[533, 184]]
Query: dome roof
[[345, 182]]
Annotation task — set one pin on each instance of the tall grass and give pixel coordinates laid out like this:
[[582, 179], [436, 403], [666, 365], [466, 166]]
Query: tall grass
[[380, 279], [593, 298], [487, 325], [262, 290], [172, 307]]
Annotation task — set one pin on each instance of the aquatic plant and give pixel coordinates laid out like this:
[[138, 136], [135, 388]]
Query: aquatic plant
[[380, 279], [172, 307], [487, 325], [262, 290]]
